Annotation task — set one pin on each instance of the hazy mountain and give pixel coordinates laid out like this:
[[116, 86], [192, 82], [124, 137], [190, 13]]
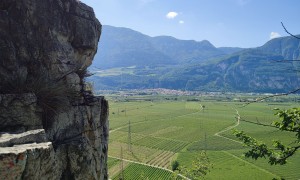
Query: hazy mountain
[[230, 50], [190, 65], [288, 47], [123, 47], [261, 69], [185, 51]]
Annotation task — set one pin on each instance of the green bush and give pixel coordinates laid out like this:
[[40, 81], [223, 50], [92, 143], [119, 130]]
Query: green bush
[[175, 165]]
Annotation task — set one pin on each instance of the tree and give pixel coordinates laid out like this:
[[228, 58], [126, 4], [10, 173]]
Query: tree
[[200, 167], [289, 121], [174, 165]]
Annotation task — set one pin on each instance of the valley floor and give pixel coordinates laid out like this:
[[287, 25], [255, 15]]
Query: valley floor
[[167, 128]]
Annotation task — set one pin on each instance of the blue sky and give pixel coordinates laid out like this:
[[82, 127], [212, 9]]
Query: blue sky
[[230, 23]]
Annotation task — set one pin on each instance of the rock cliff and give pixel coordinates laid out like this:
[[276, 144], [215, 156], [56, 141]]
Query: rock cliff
[[51, 126]]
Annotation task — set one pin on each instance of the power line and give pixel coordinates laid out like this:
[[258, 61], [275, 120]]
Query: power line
[[129, 137], [205, 142]]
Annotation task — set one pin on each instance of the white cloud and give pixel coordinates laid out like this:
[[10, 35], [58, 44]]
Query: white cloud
[[171, 15], [181, 22], [274, 35]]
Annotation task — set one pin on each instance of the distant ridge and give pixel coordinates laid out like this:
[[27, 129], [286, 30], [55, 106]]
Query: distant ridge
[[122, 47], [261, 69], [166, 62]]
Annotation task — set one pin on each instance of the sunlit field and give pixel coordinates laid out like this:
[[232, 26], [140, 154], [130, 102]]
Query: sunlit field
[[167, 128]]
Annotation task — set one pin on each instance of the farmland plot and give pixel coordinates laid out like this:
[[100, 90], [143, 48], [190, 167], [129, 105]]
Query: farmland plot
[[163, 131]]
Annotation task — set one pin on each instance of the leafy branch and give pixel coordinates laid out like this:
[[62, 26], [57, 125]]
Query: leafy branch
[[200, 167], [289, 32], [289, 121]]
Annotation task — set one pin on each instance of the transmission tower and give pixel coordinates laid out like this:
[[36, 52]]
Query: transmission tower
[[205, 143], [129, 136]]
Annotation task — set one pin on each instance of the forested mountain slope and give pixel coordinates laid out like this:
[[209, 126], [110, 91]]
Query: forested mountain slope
[[132, 60]]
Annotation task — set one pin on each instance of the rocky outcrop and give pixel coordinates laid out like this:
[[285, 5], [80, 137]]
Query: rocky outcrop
[[45, 49], [17, 150], [15, 160], [19, 112]]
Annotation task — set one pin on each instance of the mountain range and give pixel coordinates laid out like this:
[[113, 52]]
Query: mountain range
[[127, 59]]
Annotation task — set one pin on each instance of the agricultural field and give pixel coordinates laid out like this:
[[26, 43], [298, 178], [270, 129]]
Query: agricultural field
[[137, 171], [147, 133]]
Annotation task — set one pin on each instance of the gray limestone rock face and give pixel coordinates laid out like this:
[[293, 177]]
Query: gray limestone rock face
[[29, 161], [58, 36], [45, 49], [31, 136], [19, 112], [81, 138]]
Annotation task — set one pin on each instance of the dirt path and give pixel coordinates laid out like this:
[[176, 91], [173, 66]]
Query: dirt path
[[238, 117], [218, 134]]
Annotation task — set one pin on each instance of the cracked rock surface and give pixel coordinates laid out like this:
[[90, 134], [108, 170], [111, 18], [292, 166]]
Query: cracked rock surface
[[50, 126]]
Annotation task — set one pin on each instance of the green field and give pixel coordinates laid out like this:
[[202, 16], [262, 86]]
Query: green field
[[164, 129], [137, 171]]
